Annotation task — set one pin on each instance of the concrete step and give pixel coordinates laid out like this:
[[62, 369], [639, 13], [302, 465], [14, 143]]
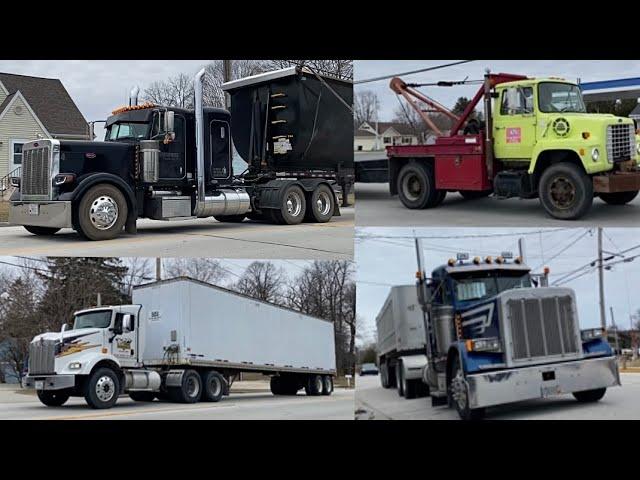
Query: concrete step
[[4, 211]]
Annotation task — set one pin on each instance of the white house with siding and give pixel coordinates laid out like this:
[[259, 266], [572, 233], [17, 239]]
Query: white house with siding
[[388, 133], [32, 108]]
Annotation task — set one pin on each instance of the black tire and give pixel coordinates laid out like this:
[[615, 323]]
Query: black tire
[[472, 127], [391, 373], [230, 218], [384, 376], [96, 199], [213, 386], [327, 385], [53, 398], [399, 379], [589, 396], [314, 385], [276, 385], [417, 186], [321, 204], [565, 191], [440, 197], [293, 207], [191, 389], [618, 198], [409, 388], [43, 231], [474, 194], [142, 396], [289, 385], [462, 406], [102, 389]]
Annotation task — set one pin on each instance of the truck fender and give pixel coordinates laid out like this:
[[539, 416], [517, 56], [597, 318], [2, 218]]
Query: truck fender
[[542, 157], [173, 378], [88, 182], [454, 351], [413, 366]]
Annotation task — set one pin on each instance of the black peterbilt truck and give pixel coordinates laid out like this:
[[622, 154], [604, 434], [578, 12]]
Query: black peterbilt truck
[[291, 126]]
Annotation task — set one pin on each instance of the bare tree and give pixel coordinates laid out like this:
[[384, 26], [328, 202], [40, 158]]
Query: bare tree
[[139, 270], [366, 106], [410, 117], [212, 94], [174, 92], [204, 269], [262, 280], [338, 68]]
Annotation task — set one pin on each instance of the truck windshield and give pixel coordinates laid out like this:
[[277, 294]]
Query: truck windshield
[[118, 131], [560, 97], [99, 319], [475, 286]]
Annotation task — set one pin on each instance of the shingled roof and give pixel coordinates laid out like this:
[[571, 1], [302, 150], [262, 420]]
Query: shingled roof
[[49, 100]]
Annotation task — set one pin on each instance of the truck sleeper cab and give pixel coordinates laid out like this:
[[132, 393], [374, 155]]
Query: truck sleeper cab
[[185, 341], [169, 163], [537, 141], [498, 339]]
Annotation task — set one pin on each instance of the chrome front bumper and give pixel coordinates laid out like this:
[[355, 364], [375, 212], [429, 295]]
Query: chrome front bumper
[[49, 382], [518, 384], [49, 214]]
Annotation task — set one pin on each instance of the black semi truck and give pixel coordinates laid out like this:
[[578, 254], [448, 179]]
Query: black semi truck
[[291, 126]]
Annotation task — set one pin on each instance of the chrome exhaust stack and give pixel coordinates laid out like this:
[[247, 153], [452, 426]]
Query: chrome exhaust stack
[[227, 201], [133, 96]]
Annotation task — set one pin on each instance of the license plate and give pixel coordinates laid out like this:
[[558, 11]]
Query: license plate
[[33, 209], [39, 384]]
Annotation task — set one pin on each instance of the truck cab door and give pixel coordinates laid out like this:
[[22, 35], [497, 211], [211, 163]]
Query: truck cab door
[[173, 154], [220, 149], [514, 124], [124, 343]]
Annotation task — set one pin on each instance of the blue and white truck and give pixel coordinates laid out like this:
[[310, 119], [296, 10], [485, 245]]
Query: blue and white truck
[[497, 333]]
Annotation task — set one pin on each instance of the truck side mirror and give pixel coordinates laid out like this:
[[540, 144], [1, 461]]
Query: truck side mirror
[[65, 327], [127, 323], [168, 122]]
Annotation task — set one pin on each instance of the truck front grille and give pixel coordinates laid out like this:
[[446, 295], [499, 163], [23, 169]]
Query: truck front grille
[[620, 142], [542, 327], [36, 172], [42, 356]]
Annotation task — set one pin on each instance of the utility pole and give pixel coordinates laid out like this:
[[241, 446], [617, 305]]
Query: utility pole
[[615, 328], [158, 269], [99, 300], [226, 69], [603, 319]]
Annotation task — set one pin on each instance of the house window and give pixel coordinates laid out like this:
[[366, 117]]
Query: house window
[[359, 148], [16, 153], [406, 140], [386, 139]]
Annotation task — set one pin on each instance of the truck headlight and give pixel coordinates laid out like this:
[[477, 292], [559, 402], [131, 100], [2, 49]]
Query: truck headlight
[[75, 366], [595, 154], [484, 345], [591, 334]]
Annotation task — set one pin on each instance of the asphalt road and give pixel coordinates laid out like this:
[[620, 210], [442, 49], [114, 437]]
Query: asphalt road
[[619, 403], [240, 406], [197, 238], [376, 207]]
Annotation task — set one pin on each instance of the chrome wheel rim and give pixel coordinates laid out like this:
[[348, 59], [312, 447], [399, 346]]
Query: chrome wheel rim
[[192, 387], [319, 383], [411, 186], [459, 390], [216, 386], [293, 204], [105, 388], [103, 212], [323, 203]]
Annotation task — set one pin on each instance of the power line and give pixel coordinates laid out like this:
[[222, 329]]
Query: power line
[[569, 245], [427, 69], [368, 236]]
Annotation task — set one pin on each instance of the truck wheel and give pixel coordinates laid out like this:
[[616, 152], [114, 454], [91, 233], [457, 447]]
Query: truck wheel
[[618, 198], [327, 385], [474, 194], [384, 376], [409, 387], [566, 192], [320, 208], [293, 207], [44, 231], [213, 386], [391, 374], [102, 212], [142, 396], [230, 218], [417, 186], [399, 379], [459, 395], [191, 389], [590, 395], [53, 398], [314, 385], [276, 385], [440, 198], [289, 385], [102, 389]]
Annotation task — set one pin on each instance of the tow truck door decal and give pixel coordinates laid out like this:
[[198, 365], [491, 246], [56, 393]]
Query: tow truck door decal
[[514, 134]]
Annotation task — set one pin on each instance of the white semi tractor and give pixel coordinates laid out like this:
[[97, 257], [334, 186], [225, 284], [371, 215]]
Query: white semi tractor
[[184, 341], [401, 342]]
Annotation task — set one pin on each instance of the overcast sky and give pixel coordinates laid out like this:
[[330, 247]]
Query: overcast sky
[[99, 86], [384, 262], [586, 70]]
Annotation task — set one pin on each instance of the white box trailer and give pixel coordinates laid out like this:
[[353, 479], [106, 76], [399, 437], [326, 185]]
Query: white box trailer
[[212, 326], [401, 342], [181, 340]]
